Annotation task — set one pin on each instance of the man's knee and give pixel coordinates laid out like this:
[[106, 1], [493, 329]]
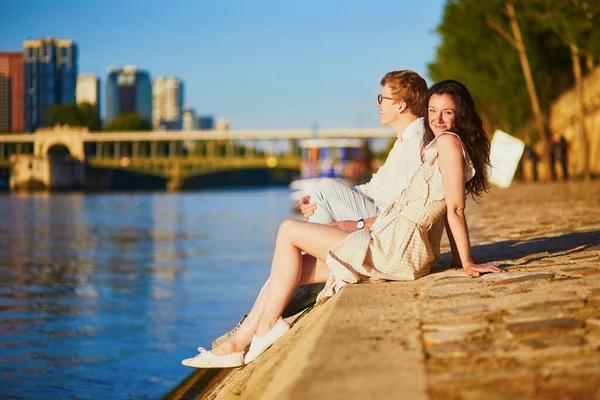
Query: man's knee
[[325, 187]]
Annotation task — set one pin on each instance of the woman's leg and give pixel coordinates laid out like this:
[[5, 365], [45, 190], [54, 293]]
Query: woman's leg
[[312, 269], [288, 270]]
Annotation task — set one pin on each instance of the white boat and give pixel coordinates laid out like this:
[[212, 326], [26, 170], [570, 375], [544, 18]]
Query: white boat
[[346, 160]]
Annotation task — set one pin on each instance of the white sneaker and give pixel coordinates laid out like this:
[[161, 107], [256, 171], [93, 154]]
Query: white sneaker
[[260, 344], [207, 359]]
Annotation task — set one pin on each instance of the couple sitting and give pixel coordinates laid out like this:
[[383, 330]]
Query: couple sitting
[[387, 229]]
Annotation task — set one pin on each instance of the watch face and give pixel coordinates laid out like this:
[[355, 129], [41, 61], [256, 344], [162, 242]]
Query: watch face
[[360, 224]]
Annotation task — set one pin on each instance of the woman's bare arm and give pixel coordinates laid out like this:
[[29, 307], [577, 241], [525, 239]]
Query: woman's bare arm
[[452, 165]]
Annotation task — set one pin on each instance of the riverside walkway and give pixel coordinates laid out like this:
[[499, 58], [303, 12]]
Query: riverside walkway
[[531, 332]]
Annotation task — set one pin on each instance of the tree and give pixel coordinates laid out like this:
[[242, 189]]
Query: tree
[[473, 50], [516, 40], [84, 115], [576, 24], [129, 122]]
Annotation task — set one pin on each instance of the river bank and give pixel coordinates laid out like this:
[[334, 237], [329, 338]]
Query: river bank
[[531, 332]]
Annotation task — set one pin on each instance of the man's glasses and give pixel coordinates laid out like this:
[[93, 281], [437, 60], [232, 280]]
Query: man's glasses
[[380, 98]]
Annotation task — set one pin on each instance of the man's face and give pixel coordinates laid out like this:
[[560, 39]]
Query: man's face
[[389, 111]]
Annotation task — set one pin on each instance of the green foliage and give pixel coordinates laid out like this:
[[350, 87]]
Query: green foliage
[[473, 52], [129, 122], [85, 115], [574, 22]]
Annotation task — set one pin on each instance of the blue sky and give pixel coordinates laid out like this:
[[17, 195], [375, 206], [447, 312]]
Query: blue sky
[[261, 64]]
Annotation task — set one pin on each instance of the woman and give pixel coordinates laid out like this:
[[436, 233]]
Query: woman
[[395, 247]]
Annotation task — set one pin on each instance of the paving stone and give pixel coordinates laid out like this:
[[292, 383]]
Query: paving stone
[[517, 316], [451, 294], [562, 299], [593, 322], [459, 310], [558, 324], [508, 289], [544, 341], [574, 269], [524, 277], [434, 334], [577, 378], [586, 257], [460, 349]]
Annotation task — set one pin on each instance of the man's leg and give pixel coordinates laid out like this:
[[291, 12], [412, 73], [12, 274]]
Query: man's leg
[[338, 202]]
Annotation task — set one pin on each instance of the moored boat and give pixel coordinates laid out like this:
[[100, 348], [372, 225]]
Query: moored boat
[[346, 160]]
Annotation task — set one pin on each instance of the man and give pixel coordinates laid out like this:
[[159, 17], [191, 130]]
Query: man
[[400, 107]]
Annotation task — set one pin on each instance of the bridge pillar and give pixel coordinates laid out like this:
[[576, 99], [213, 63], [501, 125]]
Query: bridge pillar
[[174, 184], [172, 149]]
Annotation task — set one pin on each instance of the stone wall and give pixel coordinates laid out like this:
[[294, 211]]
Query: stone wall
[[564, 121], [32, 173]]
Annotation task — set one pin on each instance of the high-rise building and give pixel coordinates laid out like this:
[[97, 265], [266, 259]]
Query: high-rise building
[[190, 122], [206, 122], [5, 100], [12, 92], [128, 90], [167, 103], [50, 77], [88, 90], [222, 125]]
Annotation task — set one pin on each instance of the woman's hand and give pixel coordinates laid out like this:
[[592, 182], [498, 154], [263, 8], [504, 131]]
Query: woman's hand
[[476, 270], [456, 263]]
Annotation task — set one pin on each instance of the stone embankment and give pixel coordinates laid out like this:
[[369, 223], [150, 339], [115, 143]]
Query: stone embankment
[[531, 332]]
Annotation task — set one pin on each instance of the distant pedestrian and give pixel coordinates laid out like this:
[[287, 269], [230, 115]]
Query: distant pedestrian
[[563, 151], [553, 158], [532, 156]]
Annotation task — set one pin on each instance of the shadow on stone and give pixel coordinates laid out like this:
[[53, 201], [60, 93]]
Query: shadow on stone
[[515, 249]]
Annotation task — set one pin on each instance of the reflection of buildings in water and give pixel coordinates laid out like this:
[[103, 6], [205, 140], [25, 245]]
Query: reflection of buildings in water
[[172, 234], [42, 256]]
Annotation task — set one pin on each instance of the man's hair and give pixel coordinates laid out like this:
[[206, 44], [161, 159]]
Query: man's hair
[[409, 87]]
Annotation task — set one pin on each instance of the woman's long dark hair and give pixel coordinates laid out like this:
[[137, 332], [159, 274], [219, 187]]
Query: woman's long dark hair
[[468, 126]]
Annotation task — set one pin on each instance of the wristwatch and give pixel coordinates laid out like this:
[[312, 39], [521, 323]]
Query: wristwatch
[[360, 224]]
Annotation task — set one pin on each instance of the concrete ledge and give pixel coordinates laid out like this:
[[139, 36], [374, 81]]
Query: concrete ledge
[[337, 349]]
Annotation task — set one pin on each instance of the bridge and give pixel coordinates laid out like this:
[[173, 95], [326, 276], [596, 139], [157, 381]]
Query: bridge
[[174, 155]]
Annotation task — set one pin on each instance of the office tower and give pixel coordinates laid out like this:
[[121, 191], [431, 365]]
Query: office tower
[[12, 92], [189, 119], [128, 90], [167, 103], [88, 90], [50, 77], [5, 99], [206, 122], [222, 125]]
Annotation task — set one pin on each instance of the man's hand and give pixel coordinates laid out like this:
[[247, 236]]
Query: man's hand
[[475, 270], [348, 226], [307, 208]]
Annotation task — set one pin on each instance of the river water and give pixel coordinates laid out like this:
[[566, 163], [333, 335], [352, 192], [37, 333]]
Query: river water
[[101, 296]]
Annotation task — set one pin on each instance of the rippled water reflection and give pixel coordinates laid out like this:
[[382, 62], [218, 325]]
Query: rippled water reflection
[[101, 296]]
